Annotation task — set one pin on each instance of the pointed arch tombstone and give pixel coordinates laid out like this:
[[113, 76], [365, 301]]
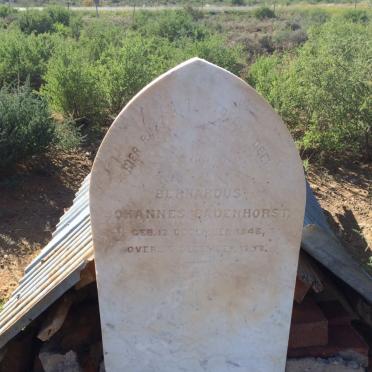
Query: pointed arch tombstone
[[197, 201]]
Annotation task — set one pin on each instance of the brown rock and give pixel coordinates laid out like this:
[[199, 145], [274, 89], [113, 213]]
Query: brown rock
[[309, 326], [55, 318], [80, 330], [301, 289], [87, 275], [343, 340]]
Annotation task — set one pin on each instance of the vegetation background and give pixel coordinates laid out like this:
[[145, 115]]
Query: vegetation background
[[156, 3], [314, 67]]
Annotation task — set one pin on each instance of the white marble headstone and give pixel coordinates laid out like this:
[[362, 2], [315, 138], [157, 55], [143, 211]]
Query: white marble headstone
[[197, 202]]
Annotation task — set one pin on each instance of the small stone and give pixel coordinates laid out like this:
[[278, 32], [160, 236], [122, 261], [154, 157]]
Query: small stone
[[353, 364], [337, 360], [60, 362]]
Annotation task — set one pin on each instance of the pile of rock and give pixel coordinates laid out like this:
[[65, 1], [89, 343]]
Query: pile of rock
[[66, 337]]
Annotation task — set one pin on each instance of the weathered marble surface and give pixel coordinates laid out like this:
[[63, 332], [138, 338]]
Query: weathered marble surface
[[197, 205]]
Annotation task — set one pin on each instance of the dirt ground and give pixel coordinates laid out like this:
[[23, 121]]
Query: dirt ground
[[32, 199], [345, 194], [35, 196]]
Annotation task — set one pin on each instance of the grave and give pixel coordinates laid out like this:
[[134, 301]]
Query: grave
[[197, 201]]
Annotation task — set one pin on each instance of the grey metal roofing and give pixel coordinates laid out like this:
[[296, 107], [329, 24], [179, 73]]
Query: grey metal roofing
[[314, 213], [57, 267]]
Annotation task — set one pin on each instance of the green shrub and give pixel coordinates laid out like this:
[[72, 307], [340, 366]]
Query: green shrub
[[356, 16], [67, 135], [76, 26], [324, 91], [42, 21], [24, 57], [263, 12], [127, 69], [72, 84], [215, 49], [289, 39], [59, 14], [99, 35], [26, 126], [266, 44], [317, 16], [195, 13], [264, 75], [35, 21], [306, 17], [172, 25], [7, 16], [6, 11], [238, 2]]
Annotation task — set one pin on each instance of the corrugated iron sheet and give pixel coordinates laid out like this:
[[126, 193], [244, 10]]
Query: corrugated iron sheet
[[314, 213], [328, 250], [320, 242], [55, 270], [57, 267]]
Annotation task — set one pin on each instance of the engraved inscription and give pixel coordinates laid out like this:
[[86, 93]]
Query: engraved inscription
[[142, 224], [132, 160], [202, 194], [140, 249], [148, 249], [261, 151], [208, 213]]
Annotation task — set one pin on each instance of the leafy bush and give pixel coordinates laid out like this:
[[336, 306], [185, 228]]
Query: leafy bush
[[6, 11], [356, 16], [23, 57], [76, 26], [317, 16], [72, 84], [26, 126], [289, 39], [195, 13], [266, 44], [42, 21], [95, 77], [323, 92], [215, 49], [307, 17], [172, 25], [35, 21], [127, 69], [67, 135], [59, 14], [264, 75], [99, 35], [238, 2], [264, 12]]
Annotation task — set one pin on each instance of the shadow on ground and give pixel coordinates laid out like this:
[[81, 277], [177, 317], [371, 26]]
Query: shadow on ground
[[32, 199]]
